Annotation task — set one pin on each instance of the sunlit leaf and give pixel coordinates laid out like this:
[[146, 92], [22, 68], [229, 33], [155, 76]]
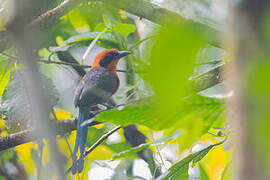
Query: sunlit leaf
[[172, 62], [208, 110], [24, 156], [203, 174], [2, 124], [78, 21], [101, 153], [124, 29], [6, 66], [215, 162], [107, 21], [61, 114], [227, 172]]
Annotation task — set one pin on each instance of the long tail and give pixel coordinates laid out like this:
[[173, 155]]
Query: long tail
[[80, 141]]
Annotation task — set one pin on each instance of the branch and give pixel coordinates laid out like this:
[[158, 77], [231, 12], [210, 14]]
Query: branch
[[52, 16], [105, 136], [25, 136]]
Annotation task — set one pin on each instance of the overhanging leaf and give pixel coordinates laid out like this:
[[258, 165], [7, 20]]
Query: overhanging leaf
[[206, 109]]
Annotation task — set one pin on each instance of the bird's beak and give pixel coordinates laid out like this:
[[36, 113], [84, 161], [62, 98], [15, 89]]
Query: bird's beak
[[122, 54]]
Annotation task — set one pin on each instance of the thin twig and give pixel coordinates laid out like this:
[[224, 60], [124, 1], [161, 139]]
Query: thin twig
[[92, 44], [67, 63], [105, 136], [80, 65]]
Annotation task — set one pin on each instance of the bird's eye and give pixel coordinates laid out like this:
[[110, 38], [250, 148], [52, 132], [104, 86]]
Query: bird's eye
[[107, 59]]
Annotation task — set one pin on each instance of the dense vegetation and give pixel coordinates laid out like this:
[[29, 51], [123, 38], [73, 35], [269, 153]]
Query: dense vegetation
[[168, 120]]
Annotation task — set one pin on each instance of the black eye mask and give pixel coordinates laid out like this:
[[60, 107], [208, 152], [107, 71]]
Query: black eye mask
[[108, 58]]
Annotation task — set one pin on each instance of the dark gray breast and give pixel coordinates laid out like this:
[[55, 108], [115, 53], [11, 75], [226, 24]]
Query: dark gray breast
[[97, 86]]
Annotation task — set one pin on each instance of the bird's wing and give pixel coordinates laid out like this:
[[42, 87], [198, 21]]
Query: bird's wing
[[95, 87]]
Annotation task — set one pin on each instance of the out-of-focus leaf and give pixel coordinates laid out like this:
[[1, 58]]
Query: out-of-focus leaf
[[24, 156], [6, 66], [78, 21], [6, 156], [203, 174], [91, 36], [118, 147], [16, 100], [61, 114], [4, 79], [142, 146], [208, 110], [227, 172], [2, 125], [100, 153], [215, 162], [107, 21], [180, 169], [172, 62], [124, 29]]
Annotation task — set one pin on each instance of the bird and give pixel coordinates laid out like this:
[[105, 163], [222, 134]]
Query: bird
[[95, 87]]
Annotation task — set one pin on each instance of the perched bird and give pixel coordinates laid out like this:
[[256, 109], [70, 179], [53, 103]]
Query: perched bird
[[96, 87]]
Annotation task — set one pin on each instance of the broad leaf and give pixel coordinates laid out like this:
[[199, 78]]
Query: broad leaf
[[124, 29], [208, 110]]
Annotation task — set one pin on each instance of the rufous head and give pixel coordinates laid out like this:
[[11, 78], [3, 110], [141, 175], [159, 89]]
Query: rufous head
[[109, 59]]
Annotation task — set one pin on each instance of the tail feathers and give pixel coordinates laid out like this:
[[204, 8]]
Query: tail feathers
[[82, 148], [80, 164], [80, 141]]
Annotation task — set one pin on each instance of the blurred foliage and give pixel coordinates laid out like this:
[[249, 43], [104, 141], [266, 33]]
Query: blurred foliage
[[16, 100], [159, 98]]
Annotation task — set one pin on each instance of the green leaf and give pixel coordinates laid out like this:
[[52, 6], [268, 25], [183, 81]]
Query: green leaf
[[78, 21], [172, 61], [6, 156], [201, 155], [203, 174], [124, 29], [6, 66], [180, 169], [227, 172], [133, 150], [107, 21], [4, 79], [204, 109]]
